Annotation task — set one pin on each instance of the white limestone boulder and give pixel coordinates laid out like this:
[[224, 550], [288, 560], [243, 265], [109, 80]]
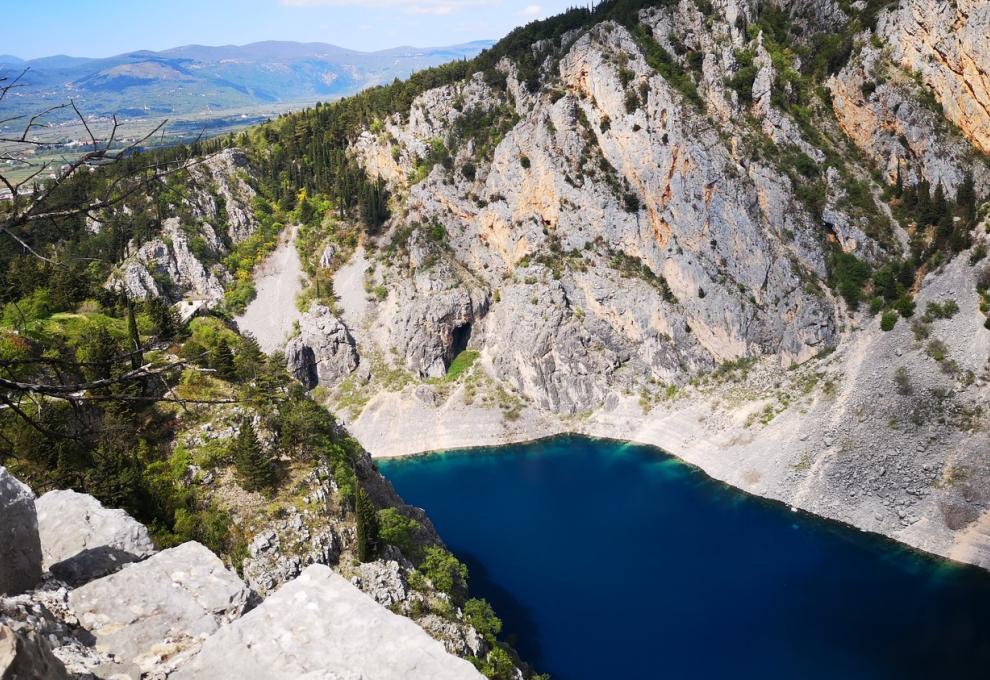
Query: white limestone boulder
[[153, 614], [82, 540], [320, 626]]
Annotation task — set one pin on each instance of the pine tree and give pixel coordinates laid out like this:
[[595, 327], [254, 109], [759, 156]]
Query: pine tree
[[250, 359], [254, 466], [222, 360], [162, 318], [899, 183], [367, 526]]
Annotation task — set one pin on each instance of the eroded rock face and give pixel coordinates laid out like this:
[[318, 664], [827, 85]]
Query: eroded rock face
[[20, 547], [433, 319], [153, 614], [324, 350], [82, 540], [880, 107], [319, 625], [946, 44]]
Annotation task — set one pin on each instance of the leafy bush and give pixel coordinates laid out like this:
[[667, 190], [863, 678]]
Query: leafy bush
[[937, 350], [848, 275], [396, 529], [445, 572], [888, 320]]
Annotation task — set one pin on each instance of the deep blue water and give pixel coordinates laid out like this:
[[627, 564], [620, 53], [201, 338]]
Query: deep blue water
[[608, 560]]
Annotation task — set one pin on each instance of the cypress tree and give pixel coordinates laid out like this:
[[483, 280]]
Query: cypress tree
[[254, 467], [909, 198], [899, 183], [966, 200], [367, 526], [923, 205], [940, 207]]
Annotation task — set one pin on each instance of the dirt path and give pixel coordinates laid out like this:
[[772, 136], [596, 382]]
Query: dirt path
[[271, 315]]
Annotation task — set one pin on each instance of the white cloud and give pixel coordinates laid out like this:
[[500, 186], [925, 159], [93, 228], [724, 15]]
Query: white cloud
[[531, 11], [436, 7]]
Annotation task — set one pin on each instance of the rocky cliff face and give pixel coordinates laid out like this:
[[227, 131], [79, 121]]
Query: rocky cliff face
[[214, 213], [583, 201], [945, 45]]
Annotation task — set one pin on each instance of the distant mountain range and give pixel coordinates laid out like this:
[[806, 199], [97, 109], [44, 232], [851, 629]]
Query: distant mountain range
[[197, 78]]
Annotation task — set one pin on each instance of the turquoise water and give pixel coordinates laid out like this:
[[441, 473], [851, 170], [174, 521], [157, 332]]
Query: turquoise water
[[608, 560]]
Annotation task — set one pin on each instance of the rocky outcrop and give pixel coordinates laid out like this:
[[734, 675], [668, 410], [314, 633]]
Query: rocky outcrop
[[324, 350], [321, 626], [226, 172], [82, 540], [153, 614], [184, 259], [432, 320], [269, 563], [945, 43], [151, 618], [20, 548], [167, 266]]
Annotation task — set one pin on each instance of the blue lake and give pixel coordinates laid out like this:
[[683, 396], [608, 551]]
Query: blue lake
[[609, 560]]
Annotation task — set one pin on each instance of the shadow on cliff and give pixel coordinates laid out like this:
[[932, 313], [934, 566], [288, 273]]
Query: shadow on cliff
[[519, 628]]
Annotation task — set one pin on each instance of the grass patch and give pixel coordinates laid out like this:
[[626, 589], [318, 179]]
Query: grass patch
[[461, 363]]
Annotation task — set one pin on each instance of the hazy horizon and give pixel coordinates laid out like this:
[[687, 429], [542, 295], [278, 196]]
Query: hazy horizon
[[77, 29]]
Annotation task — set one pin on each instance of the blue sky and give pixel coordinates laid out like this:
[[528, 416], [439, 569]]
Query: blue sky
[[100, 28]]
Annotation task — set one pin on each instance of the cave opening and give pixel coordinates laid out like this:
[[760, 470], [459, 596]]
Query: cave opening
[[459, 341]]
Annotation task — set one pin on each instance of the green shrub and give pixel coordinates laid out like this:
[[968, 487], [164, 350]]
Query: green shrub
[[498, 665], [848, 275], [461, 363], [445, 572], [481, 615], [905, 306], [903, 382], [937, 350], [945, 310], [396, 529], [888, 320]]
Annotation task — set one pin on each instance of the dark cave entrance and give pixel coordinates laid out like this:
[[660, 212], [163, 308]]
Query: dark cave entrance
[[459, 340]]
